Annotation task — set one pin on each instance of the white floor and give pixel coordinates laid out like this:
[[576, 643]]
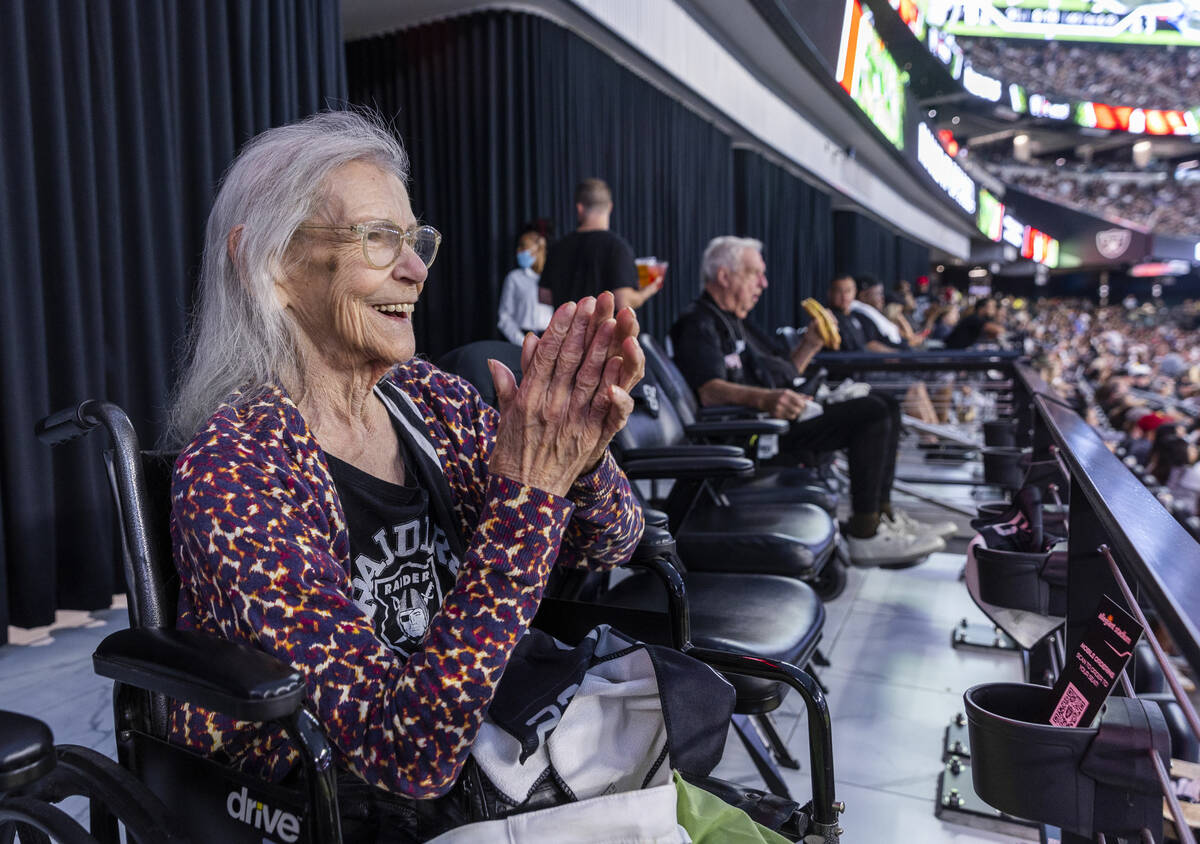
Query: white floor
[[894, 685]]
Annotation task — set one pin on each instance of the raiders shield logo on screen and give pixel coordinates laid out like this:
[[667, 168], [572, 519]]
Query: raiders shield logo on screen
[[403, 585]]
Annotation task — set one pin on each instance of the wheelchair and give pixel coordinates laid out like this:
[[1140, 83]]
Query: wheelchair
[[35, 775], [152, 663]]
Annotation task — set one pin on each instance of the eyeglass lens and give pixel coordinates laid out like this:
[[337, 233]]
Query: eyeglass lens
[[383, 244]]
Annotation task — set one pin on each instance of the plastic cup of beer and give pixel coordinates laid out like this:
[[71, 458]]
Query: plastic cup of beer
[[656, 271], [643, 270]]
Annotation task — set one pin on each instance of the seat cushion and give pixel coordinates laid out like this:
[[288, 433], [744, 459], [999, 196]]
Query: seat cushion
[[758, 615], [793, 540], [767, 493], [26, 750]]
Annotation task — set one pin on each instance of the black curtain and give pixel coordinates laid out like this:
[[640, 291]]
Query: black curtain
[[118, 118], [503, 114], [795, 224], [863, 245], [912, 260]]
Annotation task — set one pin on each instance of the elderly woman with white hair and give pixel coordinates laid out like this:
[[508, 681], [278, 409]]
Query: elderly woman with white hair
[[347, 506]]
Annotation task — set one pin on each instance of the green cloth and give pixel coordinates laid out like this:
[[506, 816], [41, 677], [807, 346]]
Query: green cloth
[[710, 820]]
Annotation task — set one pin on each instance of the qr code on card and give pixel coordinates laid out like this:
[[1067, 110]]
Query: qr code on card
[[1070, 709]]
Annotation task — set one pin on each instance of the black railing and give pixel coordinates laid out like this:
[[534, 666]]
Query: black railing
[[1122, 542], [1110, 506]]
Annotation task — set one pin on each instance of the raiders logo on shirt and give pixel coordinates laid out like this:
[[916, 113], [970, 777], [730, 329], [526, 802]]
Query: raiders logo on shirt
[[402, 586]]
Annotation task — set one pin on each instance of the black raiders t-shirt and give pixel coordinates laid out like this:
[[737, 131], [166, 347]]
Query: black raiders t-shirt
[[586, 264], [401, 566]]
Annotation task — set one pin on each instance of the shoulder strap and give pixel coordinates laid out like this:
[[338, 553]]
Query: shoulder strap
[[411, 426]]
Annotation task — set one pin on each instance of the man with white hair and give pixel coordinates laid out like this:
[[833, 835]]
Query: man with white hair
[[730, 362]]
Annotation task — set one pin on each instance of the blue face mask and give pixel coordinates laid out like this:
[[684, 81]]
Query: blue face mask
[[524, 259]]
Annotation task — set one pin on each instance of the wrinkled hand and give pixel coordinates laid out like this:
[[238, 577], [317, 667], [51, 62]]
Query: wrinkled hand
[[573, 398], [784, 404]]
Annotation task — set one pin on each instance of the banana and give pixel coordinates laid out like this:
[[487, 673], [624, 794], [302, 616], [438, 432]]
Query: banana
[[824, 321]]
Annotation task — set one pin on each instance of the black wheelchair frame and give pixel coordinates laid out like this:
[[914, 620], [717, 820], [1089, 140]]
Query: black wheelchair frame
[[152, 662]]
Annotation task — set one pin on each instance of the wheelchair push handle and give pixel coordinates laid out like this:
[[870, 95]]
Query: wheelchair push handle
[[68, 424]]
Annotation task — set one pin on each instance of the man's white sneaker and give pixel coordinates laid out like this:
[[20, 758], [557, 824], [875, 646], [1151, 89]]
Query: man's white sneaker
[[890, 545], [908, 524]]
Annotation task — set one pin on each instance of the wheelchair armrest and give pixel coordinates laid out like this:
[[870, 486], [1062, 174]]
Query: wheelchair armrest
[[688, 468], [736, 427], [728, 411], [229, 677], [820, 733], [684, 450]]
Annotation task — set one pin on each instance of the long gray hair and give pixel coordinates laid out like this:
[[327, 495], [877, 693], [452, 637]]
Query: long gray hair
[[240, 338]]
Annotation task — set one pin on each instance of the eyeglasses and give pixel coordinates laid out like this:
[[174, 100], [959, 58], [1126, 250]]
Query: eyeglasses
[[382, 242]]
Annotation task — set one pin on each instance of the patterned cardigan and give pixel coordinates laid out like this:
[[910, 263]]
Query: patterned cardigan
[[261, 546]]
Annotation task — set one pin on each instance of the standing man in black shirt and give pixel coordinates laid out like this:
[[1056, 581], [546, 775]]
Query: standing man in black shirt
[[728, 361], [593, 259]]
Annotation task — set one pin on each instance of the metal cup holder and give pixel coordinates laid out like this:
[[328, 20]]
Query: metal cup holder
[[1002, 467], [1018, 580], [1000, 432], [1084, 779]]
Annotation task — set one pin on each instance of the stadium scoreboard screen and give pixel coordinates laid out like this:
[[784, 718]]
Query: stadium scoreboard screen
[[871, 76], [1114, 21]]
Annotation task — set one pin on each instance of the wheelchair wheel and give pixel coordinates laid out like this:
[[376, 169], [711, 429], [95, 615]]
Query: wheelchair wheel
[[117, 800], [30, 821], [831, 582]]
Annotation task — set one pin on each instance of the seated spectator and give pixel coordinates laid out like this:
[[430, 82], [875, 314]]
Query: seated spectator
[[728, 361], [940, 321], [349, 508], [1137, 442], [894, 311], [520, 310], [978, 326], [865, 328], [862, 327]]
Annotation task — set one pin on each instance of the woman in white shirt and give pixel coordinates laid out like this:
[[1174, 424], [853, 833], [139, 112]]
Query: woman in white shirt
[[520, 311]]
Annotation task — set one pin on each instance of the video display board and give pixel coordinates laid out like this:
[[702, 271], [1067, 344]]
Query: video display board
[[989, 219], [1114, 21], [820, 22], [871, 76]]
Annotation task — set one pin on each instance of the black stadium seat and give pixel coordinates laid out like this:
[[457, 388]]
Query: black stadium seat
[[794, 539], [769, 483]]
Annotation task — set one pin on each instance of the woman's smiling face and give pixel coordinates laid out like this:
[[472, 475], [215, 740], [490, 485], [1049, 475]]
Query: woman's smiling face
[[350, 312]]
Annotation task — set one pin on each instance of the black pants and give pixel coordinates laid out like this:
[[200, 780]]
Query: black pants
[[869, 430]]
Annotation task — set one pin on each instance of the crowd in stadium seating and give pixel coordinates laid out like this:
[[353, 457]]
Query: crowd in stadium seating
[[1155, 77], [1139, 369], [1166, 206]]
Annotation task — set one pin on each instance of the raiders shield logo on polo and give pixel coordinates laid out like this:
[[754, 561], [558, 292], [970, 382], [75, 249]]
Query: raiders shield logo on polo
[[1112, 243]]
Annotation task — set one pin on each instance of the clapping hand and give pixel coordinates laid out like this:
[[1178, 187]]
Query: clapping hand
[[573, 398]]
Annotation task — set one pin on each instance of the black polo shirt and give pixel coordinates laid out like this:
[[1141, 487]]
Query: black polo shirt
[[711, 343], [853, 328]]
